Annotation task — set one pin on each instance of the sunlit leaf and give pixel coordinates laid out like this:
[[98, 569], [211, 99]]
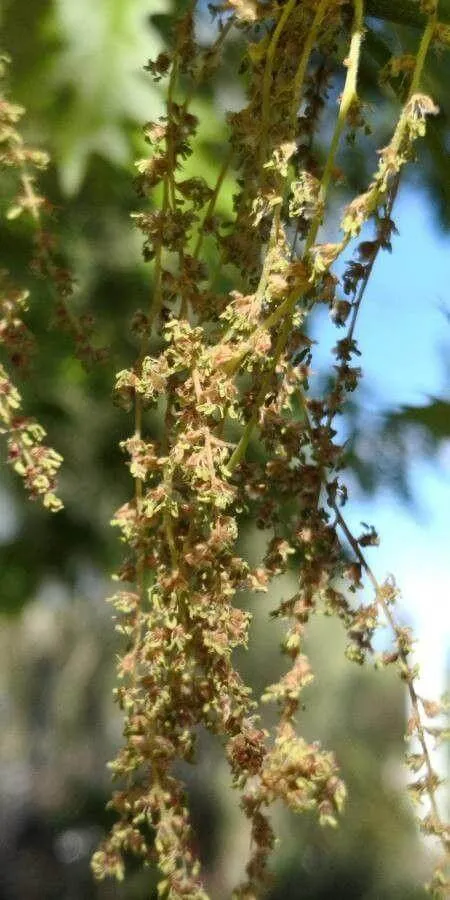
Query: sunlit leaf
[[100, 69]]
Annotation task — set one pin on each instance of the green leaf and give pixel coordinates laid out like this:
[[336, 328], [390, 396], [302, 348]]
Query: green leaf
[[100, 71], [434, 417]]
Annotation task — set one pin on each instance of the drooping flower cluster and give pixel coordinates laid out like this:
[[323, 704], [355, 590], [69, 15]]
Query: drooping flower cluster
[[26, 164], [246, 357], [36, 463], [243, 356]]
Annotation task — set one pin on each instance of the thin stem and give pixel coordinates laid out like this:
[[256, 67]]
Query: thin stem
[[157, 280], [403, 655], [427, 37], [369, 269], [299, 80], [138, 406], [349, 97], [267, 78], [211, 50], [365, 281], [212, 202], [384, 606], [303, 65]]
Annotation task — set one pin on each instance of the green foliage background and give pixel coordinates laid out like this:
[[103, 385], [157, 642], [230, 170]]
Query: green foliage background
[[77, 67]]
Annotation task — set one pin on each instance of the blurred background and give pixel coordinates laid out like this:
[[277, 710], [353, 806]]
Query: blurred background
[[77, 67]]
